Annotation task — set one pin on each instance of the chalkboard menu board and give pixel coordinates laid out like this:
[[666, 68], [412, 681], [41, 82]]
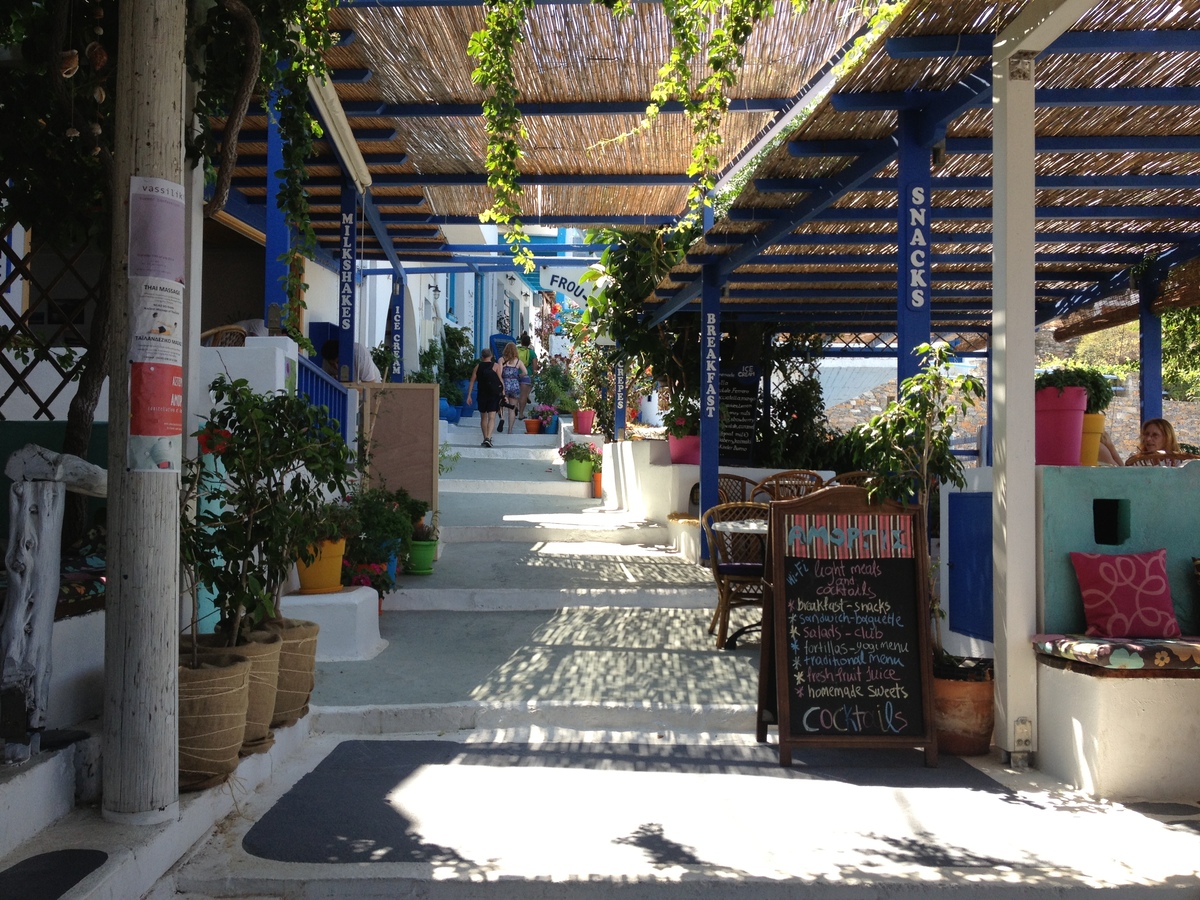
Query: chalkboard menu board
[[739, 414], [849, 623]]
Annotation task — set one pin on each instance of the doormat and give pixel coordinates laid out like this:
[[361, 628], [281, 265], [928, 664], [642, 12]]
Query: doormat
[[48, 876], [351, 807]]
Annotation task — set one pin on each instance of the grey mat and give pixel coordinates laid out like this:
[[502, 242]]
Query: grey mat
[[48, 876], [340, 812]]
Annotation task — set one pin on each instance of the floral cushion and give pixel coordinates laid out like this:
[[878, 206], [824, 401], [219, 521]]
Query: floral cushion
[[1122, 653], [1126, 594]]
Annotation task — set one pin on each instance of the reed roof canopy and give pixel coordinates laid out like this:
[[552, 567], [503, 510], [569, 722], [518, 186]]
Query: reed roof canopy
[[811, 239]]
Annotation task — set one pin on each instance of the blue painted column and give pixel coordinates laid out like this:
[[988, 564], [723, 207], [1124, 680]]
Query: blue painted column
[[396, 326], [914, 272], [619, 401], [347, 275], [278, 235], [710, 370], [1150, 350]]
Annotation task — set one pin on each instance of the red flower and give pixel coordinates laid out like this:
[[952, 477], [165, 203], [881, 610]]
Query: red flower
[[214, 440]]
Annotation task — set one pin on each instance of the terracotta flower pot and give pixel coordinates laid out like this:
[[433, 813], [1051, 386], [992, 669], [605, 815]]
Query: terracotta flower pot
[[964, 714], [597, 489], [533, 426]]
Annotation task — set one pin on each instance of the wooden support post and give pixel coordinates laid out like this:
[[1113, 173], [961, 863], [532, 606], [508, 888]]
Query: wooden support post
[[141, 753]]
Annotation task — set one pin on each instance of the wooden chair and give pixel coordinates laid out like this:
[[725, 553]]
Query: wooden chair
[[733, 488], [737, 561], [1173, 458], [224, 336], [787, 485], [860, 478]]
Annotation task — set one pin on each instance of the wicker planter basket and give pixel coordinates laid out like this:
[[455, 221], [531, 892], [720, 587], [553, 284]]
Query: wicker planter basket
[[212, 719], [297, 660]]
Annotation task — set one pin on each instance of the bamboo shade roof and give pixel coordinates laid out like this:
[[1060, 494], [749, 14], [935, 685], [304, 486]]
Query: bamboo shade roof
[[1101, 210], [1118, 162]]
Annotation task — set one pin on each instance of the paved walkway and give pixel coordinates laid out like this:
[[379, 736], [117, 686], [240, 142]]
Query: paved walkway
[[550, 719]]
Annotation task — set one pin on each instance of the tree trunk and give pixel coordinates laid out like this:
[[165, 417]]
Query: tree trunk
[[81, 414]]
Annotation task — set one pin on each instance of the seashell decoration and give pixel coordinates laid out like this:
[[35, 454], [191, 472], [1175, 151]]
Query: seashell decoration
[[96, 55], [68, 63]]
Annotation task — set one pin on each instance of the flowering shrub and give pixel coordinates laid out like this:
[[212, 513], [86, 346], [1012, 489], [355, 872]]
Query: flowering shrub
[[582, 451], [683, 419], [544, 414]]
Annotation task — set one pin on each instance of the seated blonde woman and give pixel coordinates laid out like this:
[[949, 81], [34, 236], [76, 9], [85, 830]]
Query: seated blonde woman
[[1157, 436]]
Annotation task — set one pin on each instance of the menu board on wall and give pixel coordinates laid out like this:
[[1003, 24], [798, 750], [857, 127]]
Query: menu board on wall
[[739, 414], [850, 639]]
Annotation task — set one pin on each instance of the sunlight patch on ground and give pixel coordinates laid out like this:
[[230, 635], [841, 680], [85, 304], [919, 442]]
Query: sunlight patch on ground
[[595, 518], [602, 548]]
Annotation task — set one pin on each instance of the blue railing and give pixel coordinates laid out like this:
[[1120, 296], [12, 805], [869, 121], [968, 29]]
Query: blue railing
[[323, 390]]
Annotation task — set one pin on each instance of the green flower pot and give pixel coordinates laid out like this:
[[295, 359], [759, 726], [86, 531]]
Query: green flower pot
[[420, 557], [579, 470]]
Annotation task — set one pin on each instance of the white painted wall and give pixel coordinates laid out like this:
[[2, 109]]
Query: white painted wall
[[76, 670], [43, 379], [1120, 738], [321, 296]]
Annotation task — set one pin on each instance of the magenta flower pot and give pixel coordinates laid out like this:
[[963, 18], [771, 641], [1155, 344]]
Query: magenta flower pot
[[1059, 425], [685, 450]]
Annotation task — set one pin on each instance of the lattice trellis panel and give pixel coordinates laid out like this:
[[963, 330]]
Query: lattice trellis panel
[[47, 296]]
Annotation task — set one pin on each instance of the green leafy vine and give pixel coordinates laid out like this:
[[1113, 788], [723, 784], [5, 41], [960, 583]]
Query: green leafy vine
[[728, 24]]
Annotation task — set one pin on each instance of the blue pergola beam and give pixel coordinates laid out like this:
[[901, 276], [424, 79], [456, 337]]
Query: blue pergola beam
[[1045, 98], [984, 183], [1102, 143], [1179, 212], [378, 109], [889, 259], [872, 238], [473, 179], [944, 46]]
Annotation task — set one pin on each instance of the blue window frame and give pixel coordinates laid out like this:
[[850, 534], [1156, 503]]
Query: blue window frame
[[452, 298]]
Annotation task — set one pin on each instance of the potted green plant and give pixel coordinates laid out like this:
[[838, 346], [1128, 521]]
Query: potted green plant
[[909, 448], [1063, 397], [384, 536], [424, 545], [319, 567], [683, 428], [272, 459], [581, 458]]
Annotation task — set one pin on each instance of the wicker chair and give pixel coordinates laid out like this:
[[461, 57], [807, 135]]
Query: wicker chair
[[1173, 458], [737, 561], [787, 485], [733, 488], [224, 336], [859, 478]]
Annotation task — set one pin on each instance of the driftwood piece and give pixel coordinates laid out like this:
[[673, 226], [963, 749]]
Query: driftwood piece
[[34, 463], [41, 479], [35, 516]]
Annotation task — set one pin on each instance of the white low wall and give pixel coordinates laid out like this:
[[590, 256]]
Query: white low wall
[[349, 622], [76, 670], [1119, 738]]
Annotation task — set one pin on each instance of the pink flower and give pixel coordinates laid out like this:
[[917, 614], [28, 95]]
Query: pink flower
[[681, 421]]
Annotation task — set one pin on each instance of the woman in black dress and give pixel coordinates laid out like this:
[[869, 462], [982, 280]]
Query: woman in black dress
[[487, 375]]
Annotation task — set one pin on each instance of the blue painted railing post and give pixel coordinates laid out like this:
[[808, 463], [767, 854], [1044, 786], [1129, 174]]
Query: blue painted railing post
[[347, 273], [278, 235], [914, 271], [1150, 349], [710, 400]]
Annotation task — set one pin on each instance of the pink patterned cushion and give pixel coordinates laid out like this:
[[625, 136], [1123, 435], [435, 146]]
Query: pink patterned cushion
[[1126, 595]]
